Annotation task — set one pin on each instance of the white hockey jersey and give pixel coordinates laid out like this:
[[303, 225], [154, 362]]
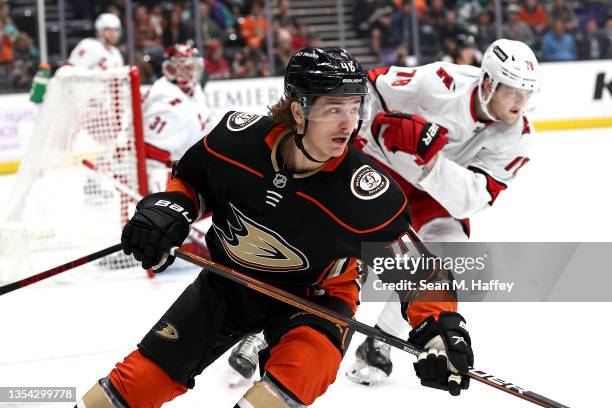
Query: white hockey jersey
[[90, 53], [480, 159], [173, 121]]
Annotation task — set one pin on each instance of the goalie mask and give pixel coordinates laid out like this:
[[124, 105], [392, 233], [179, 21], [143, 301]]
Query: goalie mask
[[314, 72], [183, 66]]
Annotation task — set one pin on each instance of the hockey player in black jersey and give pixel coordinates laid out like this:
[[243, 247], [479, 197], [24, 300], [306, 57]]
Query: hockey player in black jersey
[[291, 205]]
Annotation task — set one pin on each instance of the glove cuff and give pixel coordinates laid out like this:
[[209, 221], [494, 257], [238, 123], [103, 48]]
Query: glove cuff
[[430, 327], [170, 201]]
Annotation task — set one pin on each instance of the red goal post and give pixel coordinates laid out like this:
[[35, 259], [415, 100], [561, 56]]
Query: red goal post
[[58, 209]]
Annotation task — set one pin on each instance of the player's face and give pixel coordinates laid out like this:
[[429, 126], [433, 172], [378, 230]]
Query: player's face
[[331, 122], [111, 35], [508, 102]]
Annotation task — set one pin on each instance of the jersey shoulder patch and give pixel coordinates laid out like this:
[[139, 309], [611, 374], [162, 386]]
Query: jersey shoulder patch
[[238, 135], [360, 195], [239, 121]]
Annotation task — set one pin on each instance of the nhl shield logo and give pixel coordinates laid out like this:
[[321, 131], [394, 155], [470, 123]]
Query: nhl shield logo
[[280, 180]]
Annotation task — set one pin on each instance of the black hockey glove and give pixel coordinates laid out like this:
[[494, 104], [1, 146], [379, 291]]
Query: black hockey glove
[[448, 352], [161, 222]]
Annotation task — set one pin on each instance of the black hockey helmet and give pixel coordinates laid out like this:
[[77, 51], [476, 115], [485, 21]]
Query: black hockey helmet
[[324, 71], [313, 72]]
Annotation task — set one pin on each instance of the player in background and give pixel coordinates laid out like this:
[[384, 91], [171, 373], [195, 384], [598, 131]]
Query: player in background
[[173, 113], [291, 202], [455, 168], [101, 52]]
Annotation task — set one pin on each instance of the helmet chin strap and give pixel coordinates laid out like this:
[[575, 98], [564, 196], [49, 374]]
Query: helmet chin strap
[[297, 137], [484, 104]]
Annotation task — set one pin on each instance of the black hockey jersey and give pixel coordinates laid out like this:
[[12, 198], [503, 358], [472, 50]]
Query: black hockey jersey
[[290, 230]]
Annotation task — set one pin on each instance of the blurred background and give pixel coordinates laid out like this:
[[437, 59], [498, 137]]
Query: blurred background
[[255, 38]]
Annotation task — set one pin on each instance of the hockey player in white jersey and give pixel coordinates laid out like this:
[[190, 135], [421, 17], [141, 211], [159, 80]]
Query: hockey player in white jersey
[[100, 53], [173, 113], [454, 137]]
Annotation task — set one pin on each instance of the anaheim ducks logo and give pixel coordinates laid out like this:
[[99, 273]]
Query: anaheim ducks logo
[[241, 120], [368, 184], [167, 331], [252, 245]]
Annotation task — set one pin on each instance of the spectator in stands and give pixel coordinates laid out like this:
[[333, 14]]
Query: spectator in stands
[[216, 66], [157, 20], [6, 46], [284, 20], [26, 61], [379, 22], [485, 30], [607, 31], [253, 28], [145, 34], [176, 31], [431, 49], [401, 26], [436, 14], [209, 28], [283, 51], [592, 43], [241, 65], [467, 11], [534, 15], [450, 33], [515, 29], [559, 10], [5, 15], [303, 37], [595, 9], [222, 15], [558, 44]]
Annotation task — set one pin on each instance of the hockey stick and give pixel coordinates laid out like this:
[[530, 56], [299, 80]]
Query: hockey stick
[[353, 324], [59, 269]]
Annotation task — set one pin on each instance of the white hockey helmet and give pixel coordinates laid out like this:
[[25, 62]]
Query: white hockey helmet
[[183, 66], [107, 20], [511, 63]]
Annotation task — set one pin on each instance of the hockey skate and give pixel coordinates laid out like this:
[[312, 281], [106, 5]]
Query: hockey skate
[[244, 358], [373, 363]]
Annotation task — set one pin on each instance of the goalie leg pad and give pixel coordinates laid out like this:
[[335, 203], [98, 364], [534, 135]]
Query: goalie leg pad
[[142, 383]]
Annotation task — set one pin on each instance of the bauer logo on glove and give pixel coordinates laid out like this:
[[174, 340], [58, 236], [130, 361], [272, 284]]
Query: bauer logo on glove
[[410, 134]]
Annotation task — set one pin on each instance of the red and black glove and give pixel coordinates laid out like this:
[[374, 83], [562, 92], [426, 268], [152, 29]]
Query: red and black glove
[[410, 134]]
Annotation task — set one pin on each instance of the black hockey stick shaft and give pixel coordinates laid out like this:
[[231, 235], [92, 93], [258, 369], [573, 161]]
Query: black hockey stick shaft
[[344, 321], [59, 269]]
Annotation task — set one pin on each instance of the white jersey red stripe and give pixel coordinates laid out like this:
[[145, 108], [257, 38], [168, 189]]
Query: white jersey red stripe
[[481, 158]]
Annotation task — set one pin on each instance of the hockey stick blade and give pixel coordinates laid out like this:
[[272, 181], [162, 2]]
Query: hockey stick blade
[[59, 269], [357, 326]]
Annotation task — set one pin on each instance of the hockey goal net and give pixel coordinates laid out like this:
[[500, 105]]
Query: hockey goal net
[[59, 209]]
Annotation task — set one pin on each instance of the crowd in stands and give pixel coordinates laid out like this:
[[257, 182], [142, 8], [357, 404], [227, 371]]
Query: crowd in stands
[[235, 33], [18, 56], [460, 30]]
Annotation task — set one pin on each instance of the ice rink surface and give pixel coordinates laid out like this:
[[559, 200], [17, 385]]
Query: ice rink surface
[[71, 335]]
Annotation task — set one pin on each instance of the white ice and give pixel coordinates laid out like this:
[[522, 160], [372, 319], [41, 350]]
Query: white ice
[[71, 335]]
